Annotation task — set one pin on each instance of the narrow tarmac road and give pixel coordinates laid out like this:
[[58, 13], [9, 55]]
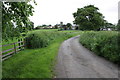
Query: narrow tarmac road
[[75, 61]]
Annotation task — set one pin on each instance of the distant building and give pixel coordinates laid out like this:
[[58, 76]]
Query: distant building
[[75, 26], [49, 27]]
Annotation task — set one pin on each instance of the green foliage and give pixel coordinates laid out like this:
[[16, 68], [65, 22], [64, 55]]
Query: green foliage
[[60, 29], [15, 17], [56, 26], [88, 18], [108, 25], [118, 25], [36, 63], [102, 43], [69, 25], [36, 40], [39, 39]]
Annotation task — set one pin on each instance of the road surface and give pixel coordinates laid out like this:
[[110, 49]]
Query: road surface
[[75, 61]]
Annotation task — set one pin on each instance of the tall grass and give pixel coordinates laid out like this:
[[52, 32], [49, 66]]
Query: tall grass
[[38, 39], [103, 43]]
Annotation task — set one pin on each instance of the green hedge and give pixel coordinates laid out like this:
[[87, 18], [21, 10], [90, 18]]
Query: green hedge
[[39, 39], [103, 43]]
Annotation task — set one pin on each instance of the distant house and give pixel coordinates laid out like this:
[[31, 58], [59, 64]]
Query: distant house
[[74, 27], [107, 29], [50, 27]]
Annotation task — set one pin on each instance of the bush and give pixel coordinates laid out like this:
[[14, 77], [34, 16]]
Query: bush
[[38, 39], [35, 41], [103, 43]]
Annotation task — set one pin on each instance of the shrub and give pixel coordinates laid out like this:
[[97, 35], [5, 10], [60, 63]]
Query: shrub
[[38, 39], [35, 41], [103, 43]]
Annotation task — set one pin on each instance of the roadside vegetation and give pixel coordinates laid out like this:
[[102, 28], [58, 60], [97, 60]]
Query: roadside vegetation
[[39, 62], [38, 39], [42, 43], [103, 43]]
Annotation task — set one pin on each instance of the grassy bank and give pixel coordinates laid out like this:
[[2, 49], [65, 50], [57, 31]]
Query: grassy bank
[[35, 63], [103, 43], [15, 39]]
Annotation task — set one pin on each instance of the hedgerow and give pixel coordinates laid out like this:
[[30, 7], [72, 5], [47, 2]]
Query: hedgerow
[[38, 39], [103, 43]]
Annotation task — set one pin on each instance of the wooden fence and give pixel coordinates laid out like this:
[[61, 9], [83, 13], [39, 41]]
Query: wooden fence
[[13, 50]]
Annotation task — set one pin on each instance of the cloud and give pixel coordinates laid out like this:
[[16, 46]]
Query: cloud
[[55, 11], [119, 11]]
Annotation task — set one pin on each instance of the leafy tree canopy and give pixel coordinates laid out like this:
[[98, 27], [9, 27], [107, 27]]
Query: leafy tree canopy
[[69, 25], [88, 18], [15, 16]]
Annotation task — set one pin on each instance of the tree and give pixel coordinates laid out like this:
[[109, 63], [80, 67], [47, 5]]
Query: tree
[[56, 26], [69, 25], [109, 25], [88, 18], [44, 25], [30, 25], [49, 25], [64, 27], [61, 26], [15, 16]]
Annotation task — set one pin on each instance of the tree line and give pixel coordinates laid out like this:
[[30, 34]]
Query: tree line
[[89, 18], [67, 26]]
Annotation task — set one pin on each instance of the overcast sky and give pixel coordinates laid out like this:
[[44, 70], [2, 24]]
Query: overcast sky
[[56, 11]]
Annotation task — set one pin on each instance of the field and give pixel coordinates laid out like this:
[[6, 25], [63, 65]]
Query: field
[[5, 42], [37, 62]]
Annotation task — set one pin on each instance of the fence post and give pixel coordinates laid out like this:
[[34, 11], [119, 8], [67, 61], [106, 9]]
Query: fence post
[[15, 48], [24, 43], [19, 43]]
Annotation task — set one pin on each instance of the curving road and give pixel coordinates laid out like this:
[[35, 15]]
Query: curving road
[[75, 61]]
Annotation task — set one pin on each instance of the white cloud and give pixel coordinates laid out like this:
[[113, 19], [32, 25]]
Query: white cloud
[[55, 11]]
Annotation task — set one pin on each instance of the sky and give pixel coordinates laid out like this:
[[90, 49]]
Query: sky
[[56, 11]]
